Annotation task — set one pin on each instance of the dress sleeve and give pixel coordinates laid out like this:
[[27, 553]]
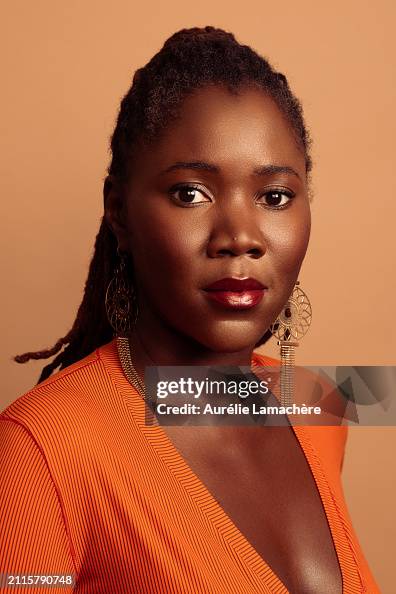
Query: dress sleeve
[[34, 539]]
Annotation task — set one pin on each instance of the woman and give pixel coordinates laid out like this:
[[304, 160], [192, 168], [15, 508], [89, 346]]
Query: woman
[[206, 225]]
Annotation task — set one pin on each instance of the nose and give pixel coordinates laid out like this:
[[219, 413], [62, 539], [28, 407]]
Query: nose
[[237, 233]]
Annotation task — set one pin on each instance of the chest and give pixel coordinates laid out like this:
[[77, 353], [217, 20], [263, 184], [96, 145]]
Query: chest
[[262, 480]]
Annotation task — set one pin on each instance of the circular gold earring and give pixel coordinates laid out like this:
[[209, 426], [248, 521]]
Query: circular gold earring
[[291, 324]]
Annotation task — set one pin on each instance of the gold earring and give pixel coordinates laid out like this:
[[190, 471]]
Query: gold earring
[[120, 300], [291, 324]]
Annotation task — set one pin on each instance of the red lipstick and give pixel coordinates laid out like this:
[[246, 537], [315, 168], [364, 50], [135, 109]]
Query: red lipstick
[[236, 293]]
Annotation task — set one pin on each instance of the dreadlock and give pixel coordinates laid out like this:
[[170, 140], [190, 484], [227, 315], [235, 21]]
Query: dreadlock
[[189, 59]]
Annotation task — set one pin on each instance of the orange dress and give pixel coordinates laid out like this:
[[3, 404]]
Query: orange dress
[[88, 489]]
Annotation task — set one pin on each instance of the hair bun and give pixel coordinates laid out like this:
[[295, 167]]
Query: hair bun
[[186, 36]]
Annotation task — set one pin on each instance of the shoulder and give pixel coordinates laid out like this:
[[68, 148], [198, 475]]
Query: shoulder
[[329, 440], [67, 404], [51, 392]]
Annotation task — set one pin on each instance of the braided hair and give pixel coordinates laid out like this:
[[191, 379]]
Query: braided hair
[[189, 59]]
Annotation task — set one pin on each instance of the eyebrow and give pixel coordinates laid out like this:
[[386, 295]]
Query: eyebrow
[[264, 170]]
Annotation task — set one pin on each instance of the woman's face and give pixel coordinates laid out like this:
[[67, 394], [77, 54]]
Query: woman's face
[[202, 204]]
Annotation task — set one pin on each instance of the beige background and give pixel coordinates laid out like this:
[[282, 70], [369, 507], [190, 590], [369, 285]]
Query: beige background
[[65, 68]]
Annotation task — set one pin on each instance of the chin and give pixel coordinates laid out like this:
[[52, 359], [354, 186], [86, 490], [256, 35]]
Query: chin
[[230, 340]]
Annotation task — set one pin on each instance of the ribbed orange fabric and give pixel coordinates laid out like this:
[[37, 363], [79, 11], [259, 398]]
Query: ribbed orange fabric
[[88, 488]]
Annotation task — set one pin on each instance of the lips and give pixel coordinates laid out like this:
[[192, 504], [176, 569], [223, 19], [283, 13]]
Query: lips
[[235, 293], [236, 285]]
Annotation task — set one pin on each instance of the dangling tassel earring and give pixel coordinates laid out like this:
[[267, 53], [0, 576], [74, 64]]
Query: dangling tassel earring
[[291, 324], [121, 304]]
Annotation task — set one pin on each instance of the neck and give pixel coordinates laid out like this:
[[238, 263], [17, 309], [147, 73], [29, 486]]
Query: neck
[[155, 344]]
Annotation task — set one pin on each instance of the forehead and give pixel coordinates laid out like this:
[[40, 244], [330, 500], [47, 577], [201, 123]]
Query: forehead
[[213, 123]]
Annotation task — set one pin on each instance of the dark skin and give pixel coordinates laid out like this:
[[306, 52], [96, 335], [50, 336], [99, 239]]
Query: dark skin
[[258, 474]]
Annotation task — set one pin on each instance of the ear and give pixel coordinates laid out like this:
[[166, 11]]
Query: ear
[[114, 210]]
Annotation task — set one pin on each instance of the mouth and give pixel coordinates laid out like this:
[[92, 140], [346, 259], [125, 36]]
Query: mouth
[[236, 293]]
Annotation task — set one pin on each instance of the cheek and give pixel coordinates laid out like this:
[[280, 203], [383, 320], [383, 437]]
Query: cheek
[[288, 241], [164, 246]]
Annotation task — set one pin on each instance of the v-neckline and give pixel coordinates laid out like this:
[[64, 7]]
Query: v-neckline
[[240, 545]]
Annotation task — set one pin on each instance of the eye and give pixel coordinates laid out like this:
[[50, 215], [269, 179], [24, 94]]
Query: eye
[[276, 198], [188, 195]]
